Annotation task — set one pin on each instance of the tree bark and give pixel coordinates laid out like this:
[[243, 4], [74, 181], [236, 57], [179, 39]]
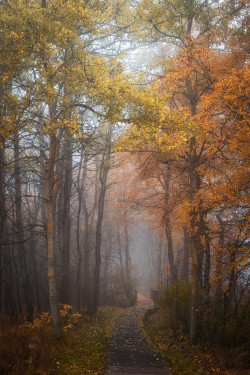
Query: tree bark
[[78, 234], [50, 196], [168, 229], [206, 284], [108, 250], [159, 265], [129, 288], [218, 271], [2, 217], [66, 220], [186, 255], [105, 166], [195, 241], [28, 298]]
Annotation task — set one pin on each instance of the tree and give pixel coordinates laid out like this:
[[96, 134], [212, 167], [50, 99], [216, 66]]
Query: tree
[[169, 124]]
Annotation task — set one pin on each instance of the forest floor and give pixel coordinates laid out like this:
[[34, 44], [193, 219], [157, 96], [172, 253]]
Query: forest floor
[[31, 349], [113, 339], [130, 351], [186, 359]]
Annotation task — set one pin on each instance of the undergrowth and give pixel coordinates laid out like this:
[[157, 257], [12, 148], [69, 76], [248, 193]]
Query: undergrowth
[[186, 359], [31, 348]]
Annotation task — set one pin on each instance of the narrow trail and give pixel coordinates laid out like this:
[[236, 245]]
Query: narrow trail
[[130, 352]]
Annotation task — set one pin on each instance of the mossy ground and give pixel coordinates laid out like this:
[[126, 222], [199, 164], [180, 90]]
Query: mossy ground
[[186, 359]]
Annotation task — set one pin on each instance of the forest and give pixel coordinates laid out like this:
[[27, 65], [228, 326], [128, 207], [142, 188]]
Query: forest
[[124, 165]]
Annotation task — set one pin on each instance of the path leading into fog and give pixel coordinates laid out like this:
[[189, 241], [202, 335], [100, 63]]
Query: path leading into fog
[[130, 352]]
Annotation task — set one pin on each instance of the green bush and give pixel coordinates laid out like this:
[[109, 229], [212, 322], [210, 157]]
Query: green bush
[[230, 328], [224, 327], [175, 304]]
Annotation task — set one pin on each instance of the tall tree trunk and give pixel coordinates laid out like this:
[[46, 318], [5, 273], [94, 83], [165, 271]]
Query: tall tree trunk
[[50, 196], [51, 191], [129, 288], [159, 263], [9, 305], [86, 282], [2, 216], [66, 220], [79, 253], [168, 229], [86, 242], [206, 281], [32, 246], [107, 254], [186, 255], [105, 165], [218, 271], [78, 235], [27, 292], [194, 240], [120, 259]]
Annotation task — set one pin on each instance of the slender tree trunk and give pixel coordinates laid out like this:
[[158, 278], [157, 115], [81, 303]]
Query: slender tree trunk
[[206, 272], [28, 298], [218, 271], [120, 259], [186, 255], [50, 195], [86, 282], [79, 264], [228, 294], [170, 250], [2, 217], [86, 244], [78, 234], [206, 281], [66, 220], [32, 246], [130, 292], [159, 268], [103, 185], [168, 229], [9, 304], [195, 241], [108, 251]]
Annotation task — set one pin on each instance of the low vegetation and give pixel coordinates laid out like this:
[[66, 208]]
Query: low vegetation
[[168, 327], [31, 348]]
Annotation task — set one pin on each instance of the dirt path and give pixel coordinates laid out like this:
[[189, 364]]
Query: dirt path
[[130, 353]]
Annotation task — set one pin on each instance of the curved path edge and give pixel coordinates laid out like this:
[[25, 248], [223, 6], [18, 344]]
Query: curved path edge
[[130, 353]]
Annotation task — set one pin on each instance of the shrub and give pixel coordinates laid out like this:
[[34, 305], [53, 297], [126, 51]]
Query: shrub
[[175, 304]]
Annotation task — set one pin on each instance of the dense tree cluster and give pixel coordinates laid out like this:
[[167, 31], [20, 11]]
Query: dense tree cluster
[[60, 98], [69, 199], [196, 149]]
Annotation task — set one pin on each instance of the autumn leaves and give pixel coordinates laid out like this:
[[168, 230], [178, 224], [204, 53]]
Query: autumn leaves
[[190, 125]]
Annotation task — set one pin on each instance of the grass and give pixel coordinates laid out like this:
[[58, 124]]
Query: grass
[[31, 349], [185, 359], [84, 350], [163, 340]]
